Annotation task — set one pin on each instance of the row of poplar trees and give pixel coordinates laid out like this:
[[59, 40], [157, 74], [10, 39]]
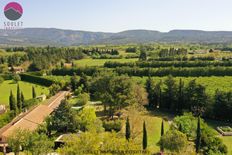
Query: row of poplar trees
[[18, 105]]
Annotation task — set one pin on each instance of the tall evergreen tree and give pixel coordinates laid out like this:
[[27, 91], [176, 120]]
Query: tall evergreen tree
[[160, 97], [180, 128], [170, 93], [162, 133], [22, 100], [198, 138], [33, 92], [157, 94], [74, 82], [180, 103], [144, 136], [12, 102], [84, 82], [150, 91], [19, 101], [128, 134]]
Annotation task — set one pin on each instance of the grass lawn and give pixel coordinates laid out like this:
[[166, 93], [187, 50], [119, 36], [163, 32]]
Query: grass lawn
[[228, 142], [25, 87], [153, 125], [226, 139], [100, 62]]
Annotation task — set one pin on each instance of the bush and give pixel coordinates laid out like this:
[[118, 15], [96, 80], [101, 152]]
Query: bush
[[1, 79], [83, 99], [112, 125], [174, 141], [31, 102], [16, 78], [6, 118]]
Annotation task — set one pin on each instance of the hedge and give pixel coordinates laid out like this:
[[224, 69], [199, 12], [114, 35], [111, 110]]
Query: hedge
[[157, 64], [36, 79]]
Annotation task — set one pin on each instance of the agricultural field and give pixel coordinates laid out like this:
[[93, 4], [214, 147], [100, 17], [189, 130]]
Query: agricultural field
[[99, 62], [211, 83], [25, 87]]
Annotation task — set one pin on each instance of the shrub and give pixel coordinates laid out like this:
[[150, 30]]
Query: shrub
[[31, 102], [174, 141], [16, 78], [112, 125], [83, 99]]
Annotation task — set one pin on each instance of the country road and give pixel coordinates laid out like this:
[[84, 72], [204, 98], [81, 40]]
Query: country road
[[31, 119]]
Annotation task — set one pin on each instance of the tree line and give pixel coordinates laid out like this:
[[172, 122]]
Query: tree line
[[174, 71], [172, 52], [18, 104], [180, 97], [156, 64]]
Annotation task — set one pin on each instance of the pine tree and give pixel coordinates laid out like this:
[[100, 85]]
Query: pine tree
[[162, 133], [33, 92], [12, 102], [128, 134], [198, 139], [19, 101], [144, 136], [22, 100]]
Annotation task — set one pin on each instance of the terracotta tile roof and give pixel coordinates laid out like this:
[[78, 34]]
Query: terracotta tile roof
[[35, 117]]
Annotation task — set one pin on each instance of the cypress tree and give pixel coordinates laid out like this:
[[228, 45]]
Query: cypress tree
[[19, 101], [180, 128], [180, 103], [128, 134], [162, 128], [198, 139], [144, 136], [150, 91], [162, 133], [160, 96], [13, 106], [33, 92], [22, 100]]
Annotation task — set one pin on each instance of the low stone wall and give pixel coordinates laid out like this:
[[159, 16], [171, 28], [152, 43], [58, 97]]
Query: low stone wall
[[223, 133]]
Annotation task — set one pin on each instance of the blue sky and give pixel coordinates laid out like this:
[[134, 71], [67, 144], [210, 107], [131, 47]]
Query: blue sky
[[119, 15]]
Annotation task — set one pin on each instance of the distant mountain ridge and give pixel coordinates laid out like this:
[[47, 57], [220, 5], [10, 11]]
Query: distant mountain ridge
[[52, 36]]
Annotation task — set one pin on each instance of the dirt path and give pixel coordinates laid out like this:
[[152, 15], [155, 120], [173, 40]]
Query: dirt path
[[31, 119]]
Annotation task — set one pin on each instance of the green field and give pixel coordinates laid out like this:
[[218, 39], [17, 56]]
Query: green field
[[211, 83], [227, 140], [153, 123], [100, 62], [25, 87]]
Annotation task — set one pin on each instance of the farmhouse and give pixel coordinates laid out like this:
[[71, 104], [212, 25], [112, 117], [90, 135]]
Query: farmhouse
[[17, 70]]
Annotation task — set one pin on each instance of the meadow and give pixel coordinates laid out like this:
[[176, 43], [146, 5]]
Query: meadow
[[25, 87]]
